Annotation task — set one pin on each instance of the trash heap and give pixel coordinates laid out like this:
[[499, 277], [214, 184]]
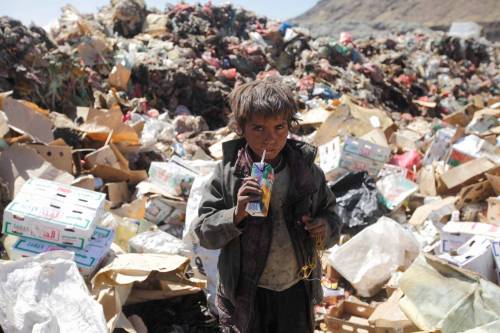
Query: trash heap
[[117, 119]]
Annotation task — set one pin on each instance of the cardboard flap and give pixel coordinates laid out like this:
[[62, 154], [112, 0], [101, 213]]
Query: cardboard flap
[[25, 119], [60, 156]]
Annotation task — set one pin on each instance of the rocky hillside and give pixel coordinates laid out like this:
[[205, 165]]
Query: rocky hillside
[[329, 17]]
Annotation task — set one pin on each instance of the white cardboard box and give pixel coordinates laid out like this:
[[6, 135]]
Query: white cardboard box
[[157, 210], [41, 188], [55, 213], [337, 158], [475, 255], [495, 249], [457, 233], [87, 259], [172, 176]]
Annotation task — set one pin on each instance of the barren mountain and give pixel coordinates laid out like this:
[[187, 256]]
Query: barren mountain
[[328, 17]]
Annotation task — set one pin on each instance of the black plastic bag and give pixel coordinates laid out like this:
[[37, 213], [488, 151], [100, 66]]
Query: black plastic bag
[[357, 204]]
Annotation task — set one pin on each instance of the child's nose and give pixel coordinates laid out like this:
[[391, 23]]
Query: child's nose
[[269, 136]]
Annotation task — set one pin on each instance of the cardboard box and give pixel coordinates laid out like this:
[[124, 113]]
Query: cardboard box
[[493, 216], [337, 158], [466, 173], [495, 249], [475, 255], [454, 233], [158, 209], [87, 259], [53, 212], [354, 320], [173, 176], [388, 317], [42, 188]]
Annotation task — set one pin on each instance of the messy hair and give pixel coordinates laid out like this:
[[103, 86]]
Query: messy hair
[[267, 97]]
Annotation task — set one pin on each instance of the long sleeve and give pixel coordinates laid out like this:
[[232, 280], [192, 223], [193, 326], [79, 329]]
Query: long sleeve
[[214, 225], [325, 201]]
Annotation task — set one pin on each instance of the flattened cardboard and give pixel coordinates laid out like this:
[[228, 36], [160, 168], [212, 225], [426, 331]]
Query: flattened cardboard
[[314, 117], [466, 173], [18, 164], [459, 118], [424, 212], [28, 121], [60, 156]]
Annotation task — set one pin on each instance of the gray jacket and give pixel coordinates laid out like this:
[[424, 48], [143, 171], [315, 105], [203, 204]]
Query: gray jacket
[[245, 248]]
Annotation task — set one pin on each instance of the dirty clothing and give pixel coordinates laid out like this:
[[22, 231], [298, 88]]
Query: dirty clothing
[[245, 248], [281, 268]]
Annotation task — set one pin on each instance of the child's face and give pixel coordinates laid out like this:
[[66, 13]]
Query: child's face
[[266, 133]]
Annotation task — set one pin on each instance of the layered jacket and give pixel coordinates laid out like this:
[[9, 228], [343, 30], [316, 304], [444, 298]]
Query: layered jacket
[[244, 248]]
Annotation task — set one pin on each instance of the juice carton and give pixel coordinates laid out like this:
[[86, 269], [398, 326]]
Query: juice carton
[[264, 173]]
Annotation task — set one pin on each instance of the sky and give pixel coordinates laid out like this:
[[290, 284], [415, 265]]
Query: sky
[[46, 11]]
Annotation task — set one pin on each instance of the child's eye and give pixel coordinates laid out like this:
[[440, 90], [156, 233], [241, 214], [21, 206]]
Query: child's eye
[[258, 129], [280, 127]]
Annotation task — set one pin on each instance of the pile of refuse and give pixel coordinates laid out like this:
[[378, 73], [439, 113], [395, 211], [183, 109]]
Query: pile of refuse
[[112, 123]]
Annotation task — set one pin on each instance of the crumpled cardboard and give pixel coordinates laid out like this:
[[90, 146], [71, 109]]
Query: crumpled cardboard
[[351, 119], [132, 278], [109, 164], [99, 124]]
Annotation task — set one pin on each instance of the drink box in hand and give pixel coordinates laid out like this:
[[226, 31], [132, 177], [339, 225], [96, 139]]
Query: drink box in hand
[[264, 173]]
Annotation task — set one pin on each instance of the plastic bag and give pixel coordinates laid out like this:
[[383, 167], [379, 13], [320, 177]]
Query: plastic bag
[[357, 204], [203, 261], [156, 242], [368, 260], [46, 293]]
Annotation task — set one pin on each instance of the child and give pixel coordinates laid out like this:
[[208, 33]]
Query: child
[[265, 283]]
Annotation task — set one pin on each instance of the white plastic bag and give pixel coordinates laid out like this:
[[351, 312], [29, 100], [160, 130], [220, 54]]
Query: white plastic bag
[[157, 241], [46, 293], [368, 260], [203, 261]]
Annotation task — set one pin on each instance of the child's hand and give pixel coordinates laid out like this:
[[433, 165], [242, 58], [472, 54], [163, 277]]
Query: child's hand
[[249, 191], [316, 227]]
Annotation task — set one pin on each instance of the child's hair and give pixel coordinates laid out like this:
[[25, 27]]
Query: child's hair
[[267, 97]]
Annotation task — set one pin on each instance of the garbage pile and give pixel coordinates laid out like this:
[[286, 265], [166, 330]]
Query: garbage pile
[[112, 123]]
